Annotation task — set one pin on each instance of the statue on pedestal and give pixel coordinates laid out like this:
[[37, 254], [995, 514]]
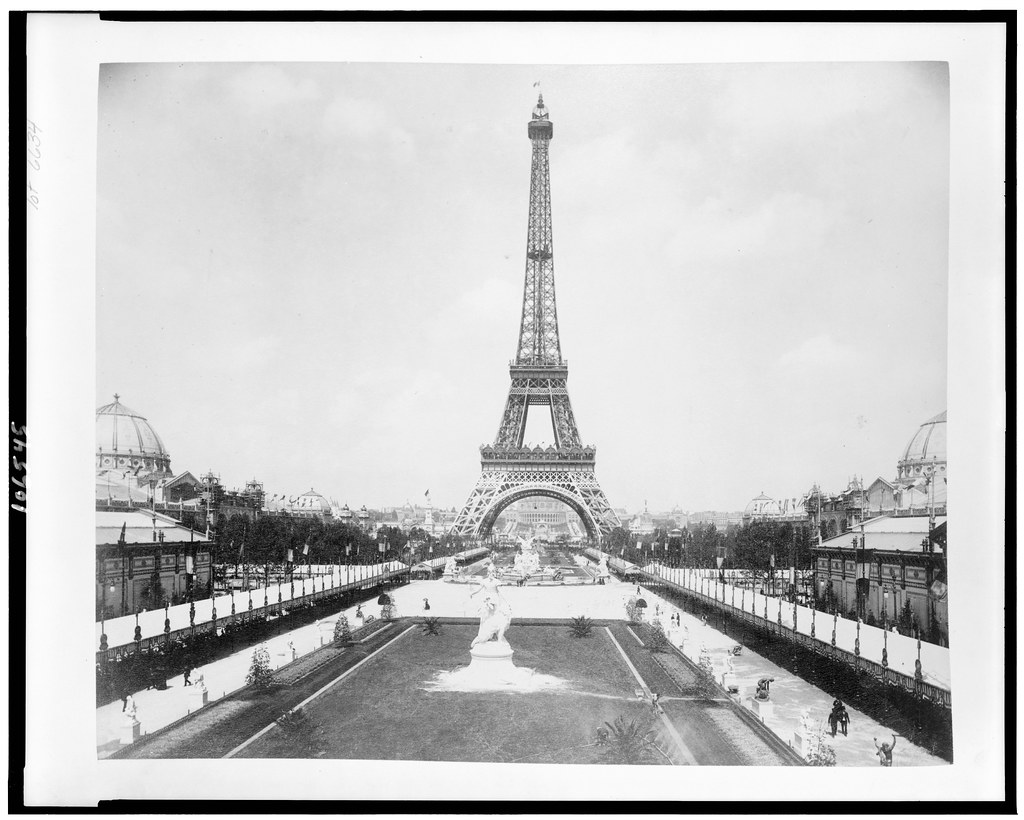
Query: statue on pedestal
[[495, 613], [130, 710], [449, 566]]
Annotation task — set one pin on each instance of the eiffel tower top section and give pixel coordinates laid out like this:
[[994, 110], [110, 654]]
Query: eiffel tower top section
[[538, 330]]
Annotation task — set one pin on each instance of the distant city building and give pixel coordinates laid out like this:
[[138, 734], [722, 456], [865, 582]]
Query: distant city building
[[721, 520], [642, 525], [307, 505], [765, 508]]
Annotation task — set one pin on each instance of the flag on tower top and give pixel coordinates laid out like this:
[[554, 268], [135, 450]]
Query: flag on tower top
[[537, 84]]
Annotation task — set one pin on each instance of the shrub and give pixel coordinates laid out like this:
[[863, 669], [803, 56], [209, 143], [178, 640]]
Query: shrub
[[657, 641], [260, 674], [431, 626], [581, 627], [388, 612], [304, 738], [819, 752], [342, 631], [632, 610]]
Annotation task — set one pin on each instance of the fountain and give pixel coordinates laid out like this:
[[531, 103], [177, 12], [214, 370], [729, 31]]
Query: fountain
[[526, 562]]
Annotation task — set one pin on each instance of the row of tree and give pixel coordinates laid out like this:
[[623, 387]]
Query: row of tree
[[750, 546], [267, 540]]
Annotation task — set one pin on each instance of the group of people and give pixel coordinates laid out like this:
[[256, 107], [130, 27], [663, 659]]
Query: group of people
[[838, 718]]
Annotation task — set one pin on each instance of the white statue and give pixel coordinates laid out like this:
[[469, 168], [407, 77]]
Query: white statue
[[449, 565], [130, 709], [495, 614]]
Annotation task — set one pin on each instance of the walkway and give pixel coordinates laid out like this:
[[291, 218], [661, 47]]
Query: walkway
[[790, 694]]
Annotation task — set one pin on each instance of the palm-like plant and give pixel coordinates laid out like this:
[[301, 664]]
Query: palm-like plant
[[631, 743], [581, 627], [431, 626]]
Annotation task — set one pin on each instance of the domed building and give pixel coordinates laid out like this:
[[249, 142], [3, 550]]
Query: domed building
[[925, 452], [761, 506], [921, 473], [764, 508], [307, 505], [125, 440]]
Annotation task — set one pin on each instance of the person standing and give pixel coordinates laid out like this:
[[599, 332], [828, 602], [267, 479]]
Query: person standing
[[426, 605], [884, 751]]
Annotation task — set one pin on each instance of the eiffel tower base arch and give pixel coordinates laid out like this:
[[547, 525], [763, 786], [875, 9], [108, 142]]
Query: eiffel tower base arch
[[497, 489]]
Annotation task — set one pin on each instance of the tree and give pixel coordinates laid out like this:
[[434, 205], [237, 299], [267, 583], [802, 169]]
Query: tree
[[260, 674], [632, 610], [342, 631], [906, 621], [618, 538], [756, 542]]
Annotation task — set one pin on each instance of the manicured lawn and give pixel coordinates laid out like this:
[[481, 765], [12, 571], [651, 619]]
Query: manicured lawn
[[385, 711]]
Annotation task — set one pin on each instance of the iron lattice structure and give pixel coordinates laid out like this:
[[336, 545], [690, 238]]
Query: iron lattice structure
[[511, 471]]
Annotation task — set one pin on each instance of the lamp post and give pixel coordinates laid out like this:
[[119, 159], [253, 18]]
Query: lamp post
[[885, 606]]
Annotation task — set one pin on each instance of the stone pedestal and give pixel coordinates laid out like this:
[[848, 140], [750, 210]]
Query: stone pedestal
[[801, 743], [492, 662], [762, 708], [130, 730], [198, 697]]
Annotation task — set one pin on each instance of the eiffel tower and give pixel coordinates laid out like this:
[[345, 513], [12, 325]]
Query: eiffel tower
[[565, 470]]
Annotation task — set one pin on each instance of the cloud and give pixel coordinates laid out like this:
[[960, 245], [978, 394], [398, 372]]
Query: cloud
[[366, 122], [265, 86], [817, 352], [488, 296], [788, 224]]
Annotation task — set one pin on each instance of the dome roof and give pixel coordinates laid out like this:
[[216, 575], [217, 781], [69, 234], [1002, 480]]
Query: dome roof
[[313, 502], [760, 506], [125, 439], [926, 448]]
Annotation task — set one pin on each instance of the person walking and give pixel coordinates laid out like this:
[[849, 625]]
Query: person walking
[[833, 716], [884, 751], [188, 674]]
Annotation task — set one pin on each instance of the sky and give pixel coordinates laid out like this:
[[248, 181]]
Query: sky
[[312, 274]]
